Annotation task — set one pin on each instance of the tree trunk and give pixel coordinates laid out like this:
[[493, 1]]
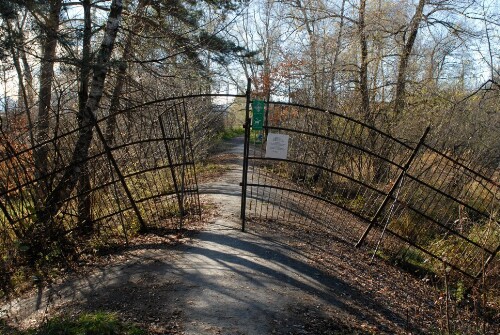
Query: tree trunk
[[28, 76], [399, 100], [313, 54], [87, 119], [333, 91], [23, 72], [121, 76], [84, 198], [24, 99], [45, 94], [363, 69]]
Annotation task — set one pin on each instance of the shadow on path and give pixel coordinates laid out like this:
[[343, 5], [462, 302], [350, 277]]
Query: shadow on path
[[225, 282]]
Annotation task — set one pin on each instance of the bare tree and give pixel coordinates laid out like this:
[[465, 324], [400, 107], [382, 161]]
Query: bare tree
[[363, 67], [84, 201], [404, 57], [49, 44]]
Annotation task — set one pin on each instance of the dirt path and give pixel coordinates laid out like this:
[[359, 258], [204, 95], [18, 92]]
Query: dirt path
[[239, 283], [242, 283], [224, 281]]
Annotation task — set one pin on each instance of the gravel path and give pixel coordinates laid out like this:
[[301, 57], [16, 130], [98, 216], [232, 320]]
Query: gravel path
[[239, 283]]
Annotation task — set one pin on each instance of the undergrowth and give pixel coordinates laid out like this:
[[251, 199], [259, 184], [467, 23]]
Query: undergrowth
[[97, 323], [230, 133]]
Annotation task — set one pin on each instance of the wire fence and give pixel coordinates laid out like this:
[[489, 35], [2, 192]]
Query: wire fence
[[415, 203]]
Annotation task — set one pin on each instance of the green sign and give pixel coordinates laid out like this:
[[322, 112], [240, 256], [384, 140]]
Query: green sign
[[258, 114]]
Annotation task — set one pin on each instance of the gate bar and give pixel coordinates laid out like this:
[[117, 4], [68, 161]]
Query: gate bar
[[246, 149], [172, 166], [394, 186], [109, 153]]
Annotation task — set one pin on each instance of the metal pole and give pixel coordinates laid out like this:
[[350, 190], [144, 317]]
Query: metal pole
[[112, 160], [393, 188], [388, 220], [184, 160], [491, 257], [246, 148], [8, 217]]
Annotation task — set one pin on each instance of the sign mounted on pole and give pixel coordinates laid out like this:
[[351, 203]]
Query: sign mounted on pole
[[258, 114]]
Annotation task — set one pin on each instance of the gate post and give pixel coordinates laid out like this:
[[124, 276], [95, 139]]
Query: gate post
[[393, 188], [246, 147]]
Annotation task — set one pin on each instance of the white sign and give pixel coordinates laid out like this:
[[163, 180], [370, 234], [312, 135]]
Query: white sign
[[277, 146]]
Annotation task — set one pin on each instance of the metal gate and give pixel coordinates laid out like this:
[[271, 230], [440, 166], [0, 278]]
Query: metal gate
[[306, 163]]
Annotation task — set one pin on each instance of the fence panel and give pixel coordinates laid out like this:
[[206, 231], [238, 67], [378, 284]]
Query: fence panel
[[427, 207], [450, 211], [127, 180], [332, 160]]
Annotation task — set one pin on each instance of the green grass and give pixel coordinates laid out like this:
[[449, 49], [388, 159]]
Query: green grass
[[414, 262], [411, 261], [230, 133], [208, 167], [97, 323]]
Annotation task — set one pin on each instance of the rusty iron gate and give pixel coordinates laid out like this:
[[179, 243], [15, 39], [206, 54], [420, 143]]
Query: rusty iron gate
[[306, 163]]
